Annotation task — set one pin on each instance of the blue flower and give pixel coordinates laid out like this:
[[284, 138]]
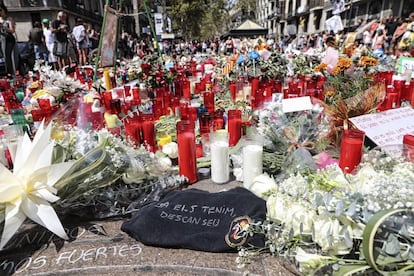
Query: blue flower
[[241, 59], [253, 55]]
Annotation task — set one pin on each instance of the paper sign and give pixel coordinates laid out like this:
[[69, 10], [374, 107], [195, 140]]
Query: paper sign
[[405, 64], [296, 104], [388, 127]]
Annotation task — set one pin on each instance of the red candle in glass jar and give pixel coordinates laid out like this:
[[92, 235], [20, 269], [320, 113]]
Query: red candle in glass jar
[[391, 100], [187, 159], [208, 98], [148, 131], [133, 131], [157, 108], [192, 113], [398, 85], [186, 89], [254, 84], [234, 126], [408, 142], [205, 122], [233, 90], [351, 149], [135, 93], [218, 120]]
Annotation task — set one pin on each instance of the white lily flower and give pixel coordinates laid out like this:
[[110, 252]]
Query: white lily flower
[[28, 191]]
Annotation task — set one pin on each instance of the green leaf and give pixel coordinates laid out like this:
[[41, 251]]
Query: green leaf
[[346, 270], [392, 246], [369, 233]]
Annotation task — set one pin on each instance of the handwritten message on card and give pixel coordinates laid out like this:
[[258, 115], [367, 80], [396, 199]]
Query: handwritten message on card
[[406, 64], [388, 127], [296, 104]]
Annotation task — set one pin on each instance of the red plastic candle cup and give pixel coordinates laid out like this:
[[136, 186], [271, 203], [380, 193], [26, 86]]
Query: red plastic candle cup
[[186, 89], [127, 90], [408, 139], [184, 111], [37, 115], [133, 131], [107, 97], [157, 108], [205, 122], [208, 98], [398, 85], [351, 149], [405, 91], [234, 126], [135, 93], [233, 90], [408, 143], [148, 131], [391, 100], [175, 105], [254, 84], [192, 113], [218, 120], [187, 160]]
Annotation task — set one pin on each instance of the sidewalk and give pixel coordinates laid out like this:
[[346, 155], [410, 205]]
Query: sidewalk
[[101, 248]]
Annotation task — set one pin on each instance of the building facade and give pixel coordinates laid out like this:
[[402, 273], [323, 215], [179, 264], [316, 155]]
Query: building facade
[[26, 12], [284, 17]]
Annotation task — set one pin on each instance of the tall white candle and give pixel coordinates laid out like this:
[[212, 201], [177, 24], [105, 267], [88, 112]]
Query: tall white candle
[[252, 163], [247, 91], [220, 161]]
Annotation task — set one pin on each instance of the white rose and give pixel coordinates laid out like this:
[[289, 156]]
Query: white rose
[[170, 149], [262, 184], [277, 206]]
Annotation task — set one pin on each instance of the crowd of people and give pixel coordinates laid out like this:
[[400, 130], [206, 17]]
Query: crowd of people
[[51, 42], [54, 43], [388, 36]]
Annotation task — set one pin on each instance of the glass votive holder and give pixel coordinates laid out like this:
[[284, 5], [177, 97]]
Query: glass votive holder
[[351, 149]]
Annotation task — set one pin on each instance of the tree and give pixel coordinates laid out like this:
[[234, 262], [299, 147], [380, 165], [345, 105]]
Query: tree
[[196, 19]]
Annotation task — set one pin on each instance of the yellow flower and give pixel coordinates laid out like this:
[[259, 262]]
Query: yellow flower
[[367, 61], [321, 67]]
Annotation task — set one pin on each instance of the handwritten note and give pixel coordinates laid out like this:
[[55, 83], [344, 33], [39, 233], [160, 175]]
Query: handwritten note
[[406, 64], [74, 254], [388, 127], [296, 104], [202, 215]]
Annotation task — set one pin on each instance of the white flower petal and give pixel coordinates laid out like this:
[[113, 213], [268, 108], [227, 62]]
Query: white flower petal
[[14, 219], [57, 171], [24, 147], [10, 187], [46, 195], [41, 212]]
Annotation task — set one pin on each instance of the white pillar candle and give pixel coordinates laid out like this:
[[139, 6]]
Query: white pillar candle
[[247, 92], [252, 163], [220, 161]]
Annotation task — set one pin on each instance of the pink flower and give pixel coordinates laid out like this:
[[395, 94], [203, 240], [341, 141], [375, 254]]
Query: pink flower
[[324, 160]]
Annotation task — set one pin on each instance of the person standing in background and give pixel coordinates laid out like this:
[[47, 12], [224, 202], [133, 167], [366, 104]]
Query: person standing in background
[[37, 38], [81, 41], [49, 41], [8, 41], [61, 30]]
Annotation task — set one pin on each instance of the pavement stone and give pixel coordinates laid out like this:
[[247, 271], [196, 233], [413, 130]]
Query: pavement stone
[[101, 248]]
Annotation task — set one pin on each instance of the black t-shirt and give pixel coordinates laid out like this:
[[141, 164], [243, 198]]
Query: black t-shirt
[[36, 35], [61, 34], [391, 27]]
